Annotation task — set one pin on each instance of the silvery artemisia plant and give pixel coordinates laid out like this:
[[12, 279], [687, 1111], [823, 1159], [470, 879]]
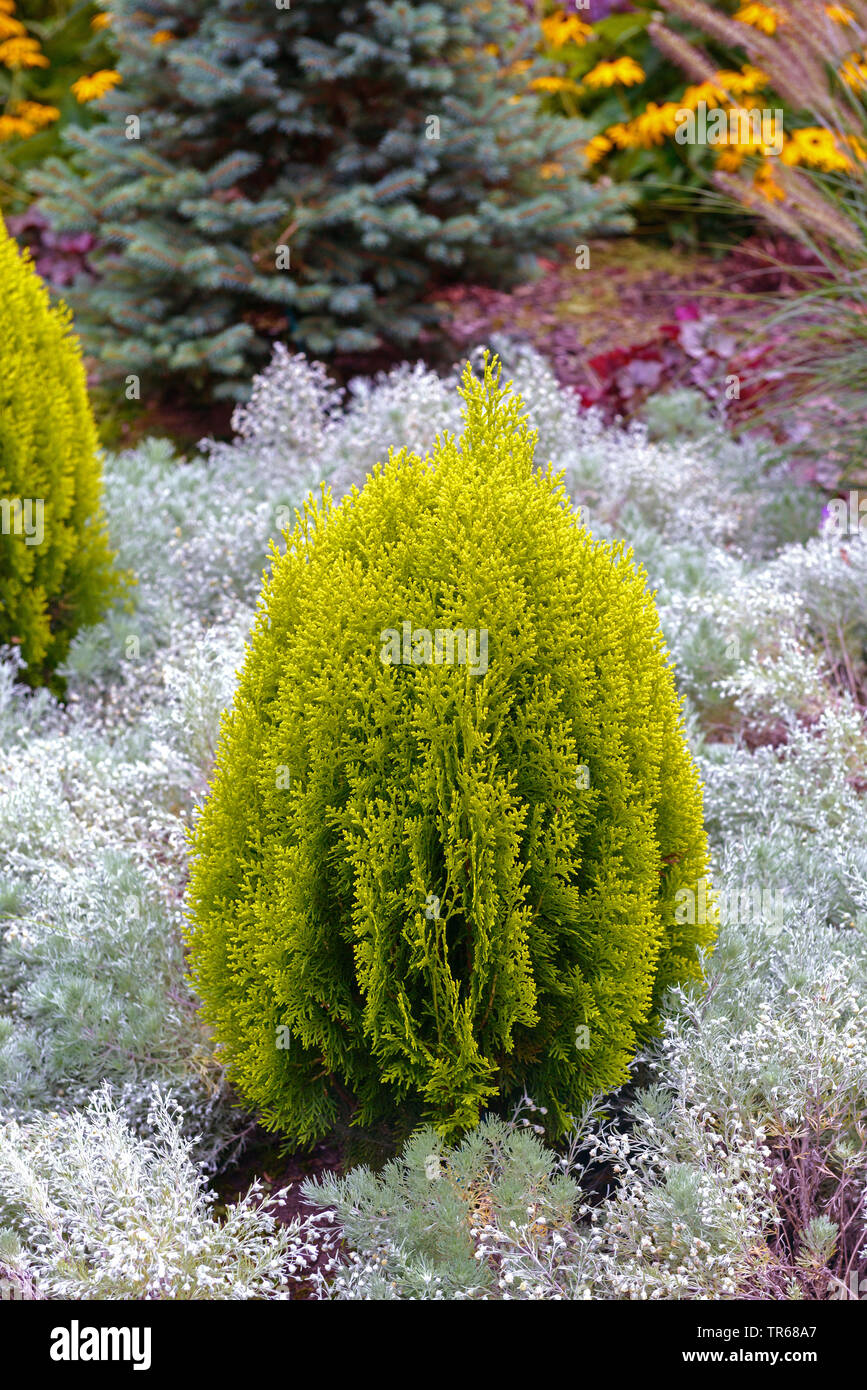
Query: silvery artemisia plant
[[765, 611]]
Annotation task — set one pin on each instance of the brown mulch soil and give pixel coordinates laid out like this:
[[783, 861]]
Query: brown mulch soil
[[631, 290], [628, 295], [264, 1161]]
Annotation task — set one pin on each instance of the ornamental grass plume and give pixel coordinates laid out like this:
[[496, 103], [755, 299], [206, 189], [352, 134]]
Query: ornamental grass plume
[[814, 190], [793, 60]]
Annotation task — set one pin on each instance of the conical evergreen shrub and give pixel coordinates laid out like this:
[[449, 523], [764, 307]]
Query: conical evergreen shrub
[[55, 564], [452, 804]]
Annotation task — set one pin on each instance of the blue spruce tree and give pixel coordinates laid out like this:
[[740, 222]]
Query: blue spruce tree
[[309, 171]]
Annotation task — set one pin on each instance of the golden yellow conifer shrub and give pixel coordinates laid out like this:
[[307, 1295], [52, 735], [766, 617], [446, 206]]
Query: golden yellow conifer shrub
[[453, 805], [56, 572]]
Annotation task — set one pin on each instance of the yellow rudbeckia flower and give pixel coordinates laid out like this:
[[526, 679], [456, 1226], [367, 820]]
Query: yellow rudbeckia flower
[[817, 148], [37, 113], [650, 128], [516, 68], [742, 83], [623, 136], [854, 72], [705, 91], [623, 71], [96, 85], [857, 146], [597, 148], [760, 17], [22, 53], [12, 127], [765, 183], [560, 29], [730, 160], [554, 84]]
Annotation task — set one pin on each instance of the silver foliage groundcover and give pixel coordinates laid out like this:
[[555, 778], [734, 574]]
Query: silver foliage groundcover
[[752, 1107]]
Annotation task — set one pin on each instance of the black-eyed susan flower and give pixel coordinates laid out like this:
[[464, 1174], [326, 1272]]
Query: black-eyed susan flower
[[854, 72], [817, 148], [14, 128], [857, 146], [597, 148], [37, 113], [623, 135], [742, 83], [709, 92], [96, 85], [651, 127], [766, 184], [761, 17], [22, 53], [623, 72], [560, 29], [551, 83], [730, 159], [10, 27]]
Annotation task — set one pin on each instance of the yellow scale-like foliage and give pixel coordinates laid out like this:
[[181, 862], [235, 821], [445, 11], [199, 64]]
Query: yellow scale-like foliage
[[55, 563], [425, 886]]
